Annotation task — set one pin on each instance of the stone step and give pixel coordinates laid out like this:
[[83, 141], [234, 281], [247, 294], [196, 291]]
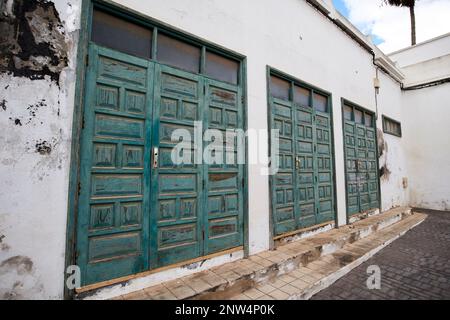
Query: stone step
[[305, 281], [232, 279]]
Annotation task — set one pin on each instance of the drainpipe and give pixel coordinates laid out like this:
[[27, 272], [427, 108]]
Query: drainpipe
[[376, 85]]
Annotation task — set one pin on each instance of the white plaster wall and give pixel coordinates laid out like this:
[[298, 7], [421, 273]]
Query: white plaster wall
[[393, 157], [289, 35], [427, 113], [427, 71], [427, 50], [34, 187], [425, 62]]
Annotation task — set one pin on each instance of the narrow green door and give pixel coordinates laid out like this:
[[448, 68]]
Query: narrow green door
[[176, 219], [360, 158], [224, 181], [284, 199], [112, 235], [302, 190], [198, 207]]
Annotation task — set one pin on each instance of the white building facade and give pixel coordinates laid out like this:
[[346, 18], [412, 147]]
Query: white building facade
[[79, 184]]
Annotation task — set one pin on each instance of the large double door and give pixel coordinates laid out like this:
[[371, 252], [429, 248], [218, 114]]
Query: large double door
[[138, 209], [302, 189], [360, 159]]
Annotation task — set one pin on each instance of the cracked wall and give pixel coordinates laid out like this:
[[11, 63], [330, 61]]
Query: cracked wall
[[38, 41]]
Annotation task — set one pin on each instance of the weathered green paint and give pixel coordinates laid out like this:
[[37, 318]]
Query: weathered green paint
[[224, 183], [135, 214], [302, 192], [122, 197], [361, 162], [70, 256], [114, 170]]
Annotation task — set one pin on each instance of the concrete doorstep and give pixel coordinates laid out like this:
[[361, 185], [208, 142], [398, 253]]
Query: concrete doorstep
[[295, 270]]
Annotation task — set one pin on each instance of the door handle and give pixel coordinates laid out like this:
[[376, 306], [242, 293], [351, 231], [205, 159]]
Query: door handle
[[155, 157], [297, 162]]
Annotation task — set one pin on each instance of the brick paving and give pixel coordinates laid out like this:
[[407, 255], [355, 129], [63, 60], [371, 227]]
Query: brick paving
[[415, 266], [304, 281]]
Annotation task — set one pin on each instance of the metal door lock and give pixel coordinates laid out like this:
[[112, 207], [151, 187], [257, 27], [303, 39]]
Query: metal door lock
[[297, 162], [155, 157]]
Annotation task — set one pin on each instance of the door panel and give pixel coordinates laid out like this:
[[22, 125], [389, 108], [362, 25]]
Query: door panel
[[324, 162], [112, 228], [372, 169], [306, 166], [362, 173], [176, 223], [283, 182], [224, 181], [351, 167]]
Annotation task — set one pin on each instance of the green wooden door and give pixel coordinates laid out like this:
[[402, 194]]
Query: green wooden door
[[199, 207], [176, 218], [224, 181], [284, 198], [360, 158], [323, 158], [112, 235], [138, 210], [302, 190]]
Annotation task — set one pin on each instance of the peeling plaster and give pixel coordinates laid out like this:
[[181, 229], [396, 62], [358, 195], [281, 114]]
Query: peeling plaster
[[383, 156], [20, 279], [43, 147], [32, 40], [22, 264], [3, 105], [38, 46]]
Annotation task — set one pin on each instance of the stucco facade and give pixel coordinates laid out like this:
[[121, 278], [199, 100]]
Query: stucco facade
[[425, 107], [37, 113]]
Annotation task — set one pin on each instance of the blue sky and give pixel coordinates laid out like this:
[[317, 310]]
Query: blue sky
[[342, 8], [389, 26]]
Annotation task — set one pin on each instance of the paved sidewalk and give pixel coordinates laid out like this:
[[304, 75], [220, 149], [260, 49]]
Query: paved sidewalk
[[300, 267], [416, 266]]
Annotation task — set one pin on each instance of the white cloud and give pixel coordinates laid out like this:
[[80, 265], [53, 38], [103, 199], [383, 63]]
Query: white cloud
[[392, 24]]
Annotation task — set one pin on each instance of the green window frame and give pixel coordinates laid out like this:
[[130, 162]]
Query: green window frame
[[366, 118], [205, 59], [391, 126]]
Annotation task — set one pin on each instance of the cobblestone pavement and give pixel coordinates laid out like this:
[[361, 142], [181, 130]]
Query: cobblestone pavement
[[415, 266]]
